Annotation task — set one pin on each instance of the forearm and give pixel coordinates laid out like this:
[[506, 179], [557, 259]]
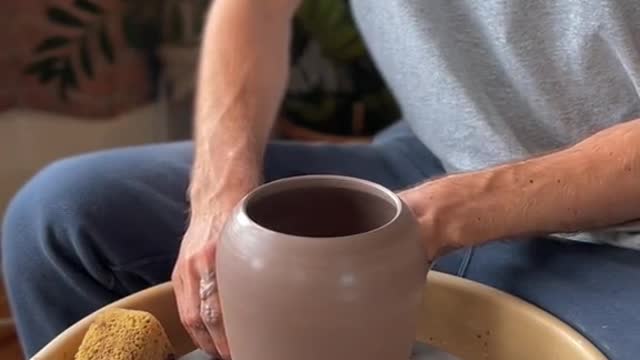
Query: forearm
[[591, 185], [241, 81]]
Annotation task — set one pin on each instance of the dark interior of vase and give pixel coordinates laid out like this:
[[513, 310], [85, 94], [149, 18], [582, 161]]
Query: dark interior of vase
[[321, 211]]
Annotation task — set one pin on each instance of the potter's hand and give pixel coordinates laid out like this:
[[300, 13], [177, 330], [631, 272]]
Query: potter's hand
[[467, 209], [434, 207], [195, 284], [239, 95]]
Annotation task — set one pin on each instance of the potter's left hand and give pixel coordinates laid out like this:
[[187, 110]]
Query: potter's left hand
[[194, 277], [195, 286]]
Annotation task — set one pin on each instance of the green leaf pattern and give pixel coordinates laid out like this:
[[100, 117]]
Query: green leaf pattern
[[55, 53], [51, 43], [64, 18], [85, 57], [88, 6], [105, 45], [331, 70]]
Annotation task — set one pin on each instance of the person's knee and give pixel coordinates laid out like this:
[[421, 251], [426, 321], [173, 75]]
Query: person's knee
[[43, 214]]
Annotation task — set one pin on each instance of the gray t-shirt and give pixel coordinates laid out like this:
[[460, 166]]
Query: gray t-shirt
[[491, 81]]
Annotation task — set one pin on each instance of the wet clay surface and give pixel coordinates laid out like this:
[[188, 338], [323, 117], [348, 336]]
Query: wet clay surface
[[347, 286]]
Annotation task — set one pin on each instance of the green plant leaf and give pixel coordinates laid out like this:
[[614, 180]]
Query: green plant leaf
[[37, 66], [45, 69], [63, 17], [328, 11], [105, 45], [304, 11], [68, 74], [47, 74], [338, 15], [85, 57], [51, 43], [329, 23], [88, 6], [349, 53], [312, 111], [344, 35]]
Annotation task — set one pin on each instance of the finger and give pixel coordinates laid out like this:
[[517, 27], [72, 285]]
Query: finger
[[178, 291], [212, 318], [190, 314], [189, 328], [211, 314], [204, 340]]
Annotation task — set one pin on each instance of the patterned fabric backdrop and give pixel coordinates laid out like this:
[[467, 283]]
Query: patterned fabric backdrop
[[70, 57], [98, 58]]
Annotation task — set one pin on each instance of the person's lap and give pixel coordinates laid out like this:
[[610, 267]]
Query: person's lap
[[90, 229], [94, 228], [593, 288]]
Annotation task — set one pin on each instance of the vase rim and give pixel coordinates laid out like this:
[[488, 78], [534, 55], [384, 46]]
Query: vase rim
[[330, 181]]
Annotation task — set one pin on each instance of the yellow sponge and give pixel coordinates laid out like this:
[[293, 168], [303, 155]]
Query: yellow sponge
[[118, 334]]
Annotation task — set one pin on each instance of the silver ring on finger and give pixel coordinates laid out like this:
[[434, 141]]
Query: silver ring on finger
[[208, 287], [209, 315]]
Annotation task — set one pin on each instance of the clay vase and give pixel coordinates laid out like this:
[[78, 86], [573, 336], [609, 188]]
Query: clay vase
[[321, 268]]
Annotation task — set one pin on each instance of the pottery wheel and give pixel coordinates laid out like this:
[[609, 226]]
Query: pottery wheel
[[420, 351]]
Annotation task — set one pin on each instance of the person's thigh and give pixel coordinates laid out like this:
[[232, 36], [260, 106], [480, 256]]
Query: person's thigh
[[88, 230], [93, 228], [594, 288]]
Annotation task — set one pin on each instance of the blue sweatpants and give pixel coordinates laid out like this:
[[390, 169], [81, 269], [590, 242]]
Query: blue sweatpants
[[93, 228]]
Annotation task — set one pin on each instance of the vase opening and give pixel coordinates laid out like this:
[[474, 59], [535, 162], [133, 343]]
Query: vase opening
[[323, 208]]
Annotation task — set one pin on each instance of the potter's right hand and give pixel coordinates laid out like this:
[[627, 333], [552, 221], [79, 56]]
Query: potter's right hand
[[194, 279]]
